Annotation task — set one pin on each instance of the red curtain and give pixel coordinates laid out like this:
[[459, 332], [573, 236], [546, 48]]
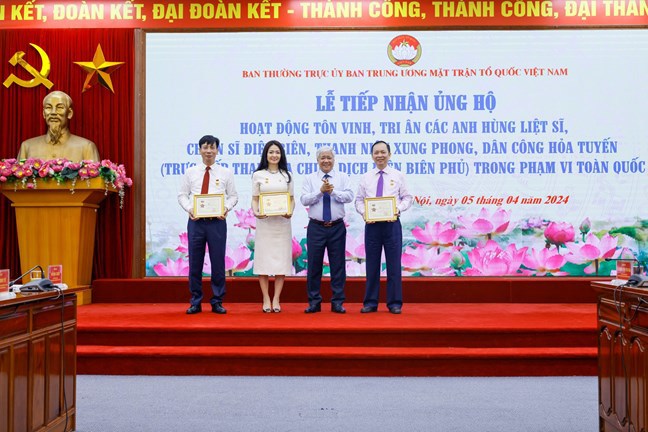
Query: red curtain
[[99, 115]]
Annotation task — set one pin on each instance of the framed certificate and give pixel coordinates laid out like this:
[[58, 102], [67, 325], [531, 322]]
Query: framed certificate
[[275, 204], [208, 205], [380, 209]]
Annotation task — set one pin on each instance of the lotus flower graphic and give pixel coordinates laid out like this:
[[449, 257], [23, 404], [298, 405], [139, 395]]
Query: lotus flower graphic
[[404, 51]]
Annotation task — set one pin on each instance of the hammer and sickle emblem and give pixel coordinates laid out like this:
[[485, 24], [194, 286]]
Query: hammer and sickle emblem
[[39, 77]]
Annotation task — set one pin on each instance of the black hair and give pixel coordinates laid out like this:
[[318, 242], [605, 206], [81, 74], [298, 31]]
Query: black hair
[[381, 142], [209, 139], [283, 162]]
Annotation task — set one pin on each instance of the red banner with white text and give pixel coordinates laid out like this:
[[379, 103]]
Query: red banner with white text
[[248, 14]]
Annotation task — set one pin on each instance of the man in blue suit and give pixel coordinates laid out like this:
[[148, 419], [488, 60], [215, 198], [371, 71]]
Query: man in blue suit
[[325, 192]]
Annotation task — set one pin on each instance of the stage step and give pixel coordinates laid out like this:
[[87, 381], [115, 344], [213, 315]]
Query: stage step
[[335, 361], [304, 337], [426, 340]]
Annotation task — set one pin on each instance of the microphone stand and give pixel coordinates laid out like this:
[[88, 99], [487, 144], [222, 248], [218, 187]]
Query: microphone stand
[[639, 266], [26, 273]]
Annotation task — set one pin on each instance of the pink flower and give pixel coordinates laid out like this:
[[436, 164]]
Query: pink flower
[[490, 259], [44, 171], [184, 243], [30, 185], [19, 173], [545, 261], [3, 179], [238, 260], [485, 224], [184, 248], [592, 251], [246, 219], [624, 253], [559, 233], [532, 223], [427, 262], [83, 173], [296, 249], [437, 235], [249, 240], [457, 259], [180, 267], [14, 170], [57, 168]]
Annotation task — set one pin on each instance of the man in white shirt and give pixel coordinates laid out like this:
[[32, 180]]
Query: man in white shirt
[[325, 192], [383, 181], [207, 178]]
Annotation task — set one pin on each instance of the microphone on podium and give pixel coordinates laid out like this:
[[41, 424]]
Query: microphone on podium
[[38, 285], [637, 268], [35, 285], [634, 258], [13, 282], [637, 279]]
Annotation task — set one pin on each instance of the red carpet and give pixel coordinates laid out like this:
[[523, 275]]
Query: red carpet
[[428, 339]]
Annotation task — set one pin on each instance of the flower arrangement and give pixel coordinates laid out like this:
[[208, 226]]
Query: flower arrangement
[[28, 172], [486, 243]]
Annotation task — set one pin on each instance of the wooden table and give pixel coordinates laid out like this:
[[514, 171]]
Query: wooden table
[[38, 361], [623, 360]]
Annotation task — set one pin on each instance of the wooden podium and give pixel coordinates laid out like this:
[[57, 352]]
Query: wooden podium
[[57, 226], [38, 337], [623, 358]]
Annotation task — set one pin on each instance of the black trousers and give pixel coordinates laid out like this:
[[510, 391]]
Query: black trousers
[[332, 239], [213, 233]]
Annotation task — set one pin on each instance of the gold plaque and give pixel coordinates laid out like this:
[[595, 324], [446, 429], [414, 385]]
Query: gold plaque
[[275, 204], [208, 205], [380, 209]]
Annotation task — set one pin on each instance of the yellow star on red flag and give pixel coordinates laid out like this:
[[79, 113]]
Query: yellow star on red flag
[[99, 70]]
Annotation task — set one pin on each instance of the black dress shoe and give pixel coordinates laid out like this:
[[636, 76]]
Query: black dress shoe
[[395, 310], [194, 309], [218, 308], [338, 309], [368, 309], [313, 309]]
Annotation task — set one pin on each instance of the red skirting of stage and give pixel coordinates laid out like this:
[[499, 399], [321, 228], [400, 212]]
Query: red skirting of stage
[[448, 328], [415, 290]]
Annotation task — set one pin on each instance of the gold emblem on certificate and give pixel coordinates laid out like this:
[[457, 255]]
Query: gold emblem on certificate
[[380, 209], [208, 205], [275, 204]]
